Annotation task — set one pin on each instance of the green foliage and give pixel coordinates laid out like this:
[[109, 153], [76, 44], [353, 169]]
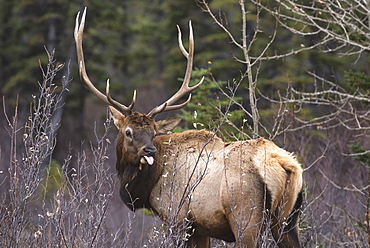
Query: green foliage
[[358, 81], [208, 107], [27, 27], [363, 155], [52, 181], [134, 44], [147, 212]]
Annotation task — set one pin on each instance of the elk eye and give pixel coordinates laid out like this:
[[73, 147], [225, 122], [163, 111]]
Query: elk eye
[[128, 133]]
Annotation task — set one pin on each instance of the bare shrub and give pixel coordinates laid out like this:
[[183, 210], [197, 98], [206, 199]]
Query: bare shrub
[[74, 214]]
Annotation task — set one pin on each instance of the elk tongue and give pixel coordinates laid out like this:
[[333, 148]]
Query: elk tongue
[[149, 160]]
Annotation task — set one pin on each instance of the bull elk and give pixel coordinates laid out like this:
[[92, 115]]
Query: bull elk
[[230, 191]]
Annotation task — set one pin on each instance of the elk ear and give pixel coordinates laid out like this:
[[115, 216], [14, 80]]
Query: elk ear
[[116, 115], [167, 125]]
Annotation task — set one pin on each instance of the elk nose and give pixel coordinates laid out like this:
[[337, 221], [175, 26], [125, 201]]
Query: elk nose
[[151, 151]]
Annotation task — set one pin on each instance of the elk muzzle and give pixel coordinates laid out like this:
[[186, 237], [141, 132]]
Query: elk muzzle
[[148, 158]]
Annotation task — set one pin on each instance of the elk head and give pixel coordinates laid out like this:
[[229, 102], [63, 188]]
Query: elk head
[[137, 130]]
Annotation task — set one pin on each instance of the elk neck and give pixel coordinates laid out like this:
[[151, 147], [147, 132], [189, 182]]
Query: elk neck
[[137, 181]]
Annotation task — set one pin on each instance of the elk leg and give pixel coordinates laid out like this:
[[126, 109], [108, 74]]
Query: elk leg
[[247, 228], [198, 242], [288, 237]]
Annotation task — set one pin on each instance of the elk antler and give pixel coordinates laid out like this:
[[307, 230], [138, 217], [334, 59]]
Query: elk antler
[[185, 89], [78, 33]]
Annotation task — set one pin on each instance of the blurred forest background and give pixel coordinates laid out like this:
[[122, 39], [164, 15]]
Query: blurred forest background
[[295, 72]]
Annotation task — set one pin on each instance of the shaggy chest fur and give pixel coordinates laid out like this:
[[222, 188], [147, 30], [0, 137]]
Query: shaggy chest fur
[[138, 181]]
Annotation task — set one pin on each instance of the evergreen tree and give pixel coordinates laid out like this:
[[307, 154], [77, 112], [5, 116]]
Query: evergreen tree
[[208, 107]]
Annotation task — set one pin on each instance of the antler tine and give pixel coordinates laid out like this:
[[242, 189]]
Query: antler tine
[[185, 88], [78, 34], [112, 101]]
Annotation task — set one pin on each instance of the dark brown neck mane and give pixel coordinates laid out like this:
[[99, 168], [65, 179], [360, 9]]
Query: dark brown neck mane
[[136, 183]]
